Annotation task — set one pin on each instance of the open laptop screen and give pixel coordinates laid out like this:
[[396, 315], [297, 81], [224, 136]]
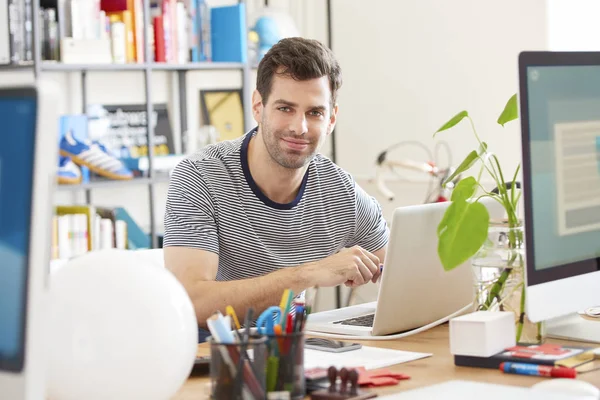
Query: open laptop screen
[[17, 133]]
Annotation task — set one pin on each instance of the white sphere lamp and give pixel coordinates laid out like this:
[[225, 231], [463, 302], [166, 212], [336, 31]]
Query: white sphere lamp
[[119, 328]]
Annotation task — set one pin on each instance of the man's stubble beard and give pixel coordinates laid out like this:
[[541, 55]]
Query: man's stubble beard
[[271, 140]]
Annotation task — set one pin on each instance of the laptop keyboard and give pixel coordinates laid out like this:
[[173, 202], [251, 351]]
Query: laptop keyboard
[[363, 320]]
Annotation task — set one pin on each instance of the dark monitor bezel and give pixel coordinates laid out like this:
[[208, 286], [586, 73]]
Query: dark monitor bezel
[[545, 59], [17, 364]]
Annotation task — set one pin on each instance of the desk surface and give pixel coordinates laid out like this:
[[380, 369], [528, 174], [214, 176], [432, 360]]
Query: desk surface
[[428, 371]]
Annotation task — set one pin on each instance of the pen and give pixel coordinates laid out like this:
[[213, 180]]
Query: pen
[[286, 310], [299, 322], [537, 370], [284, 297], [231, 312]]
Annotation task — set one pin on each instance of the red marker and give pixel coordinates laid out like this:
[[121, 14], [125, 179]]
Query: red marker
[[289, 325], [537, 370]]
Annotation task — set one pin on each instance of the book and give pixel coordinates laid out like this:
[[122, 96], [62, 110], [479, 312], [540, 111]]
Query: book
[[229, 38], [545, 354]]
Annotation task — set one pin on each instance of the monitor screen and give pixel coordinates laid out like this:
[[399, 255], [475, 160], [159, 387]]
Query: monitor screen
[[18, 127], [563, 103]]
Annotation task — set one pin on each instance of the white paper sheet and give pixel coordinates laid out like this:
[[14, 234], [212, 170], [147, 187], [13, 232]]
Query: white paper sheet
[[367, 357]]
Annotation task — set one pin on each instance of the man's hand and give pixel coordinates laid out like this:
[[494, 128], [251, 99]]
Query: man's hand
[[353, 267]]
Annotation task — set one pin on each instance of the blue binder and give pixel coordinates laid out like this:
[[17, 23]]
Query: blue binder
[[229, 36]]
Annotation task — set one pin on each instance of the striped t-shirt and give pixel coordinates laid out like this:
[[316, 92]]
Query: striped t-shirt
[[214, 204]]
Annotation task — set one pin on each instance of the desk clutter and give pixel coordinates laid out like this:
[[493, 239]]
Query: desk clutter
[[265, 363], [346, 389], [270, 361], [496, 349]]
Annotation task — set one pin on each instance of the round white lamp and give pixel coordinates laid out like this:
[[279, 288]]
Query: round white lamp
[[119, 328]]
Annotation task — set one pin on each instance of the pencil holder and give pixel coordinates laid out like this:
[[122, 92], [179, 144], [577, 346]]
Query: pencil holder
[[285, 364], [238, 370]]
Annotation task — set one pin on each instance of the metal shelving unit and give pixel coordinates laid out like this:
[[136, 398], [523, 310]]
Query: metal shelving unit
[[112, 184], [146, 68]]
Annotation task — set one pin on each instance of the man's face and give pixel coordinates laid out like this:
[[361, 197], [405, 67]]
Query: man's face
[[296, 119]]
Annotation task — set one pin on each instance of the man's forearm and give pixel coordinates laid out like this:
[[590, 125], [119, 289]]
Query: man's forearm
[[258, 293]]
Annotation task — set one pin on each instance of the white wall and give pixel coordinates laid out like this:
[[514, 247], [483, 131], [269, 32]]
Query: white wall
[[573, 25], [411, 65]]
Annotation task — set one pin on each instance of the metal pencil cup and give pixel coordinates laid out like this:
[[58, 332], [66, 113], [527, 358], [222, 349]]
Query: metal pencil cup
[[285, 364], [237, 370]]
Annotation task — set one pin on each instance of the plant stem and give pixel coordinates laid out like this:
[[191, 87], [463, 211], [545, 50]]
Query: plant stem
[[474, 130], [521, 314], [496, 288], [480, 171]]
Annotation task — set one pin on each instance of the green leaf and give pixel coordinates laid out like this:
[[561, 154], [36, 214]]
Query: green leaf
[[453, 121], [464, 189], [511, 111], [482, 148], [462, 232], [468, 162], [464, 166]]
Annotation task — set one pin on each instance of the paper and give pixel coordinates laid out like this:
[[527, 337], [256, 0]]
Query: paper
[[367, 357]]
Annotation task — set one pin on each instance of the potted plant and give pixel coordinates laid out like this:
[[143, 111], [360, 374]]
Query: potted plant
[[496, 248]]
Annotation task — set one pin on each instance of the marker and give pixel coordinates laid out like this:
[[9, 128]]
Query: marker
[[537, 370]]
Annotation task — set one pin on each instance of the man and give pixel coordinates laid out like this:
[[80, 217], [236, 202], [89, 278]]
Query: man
[[248, 218]]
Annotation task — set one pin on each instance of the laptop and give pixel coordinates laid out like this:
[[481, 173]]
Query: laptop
[[415, 290]]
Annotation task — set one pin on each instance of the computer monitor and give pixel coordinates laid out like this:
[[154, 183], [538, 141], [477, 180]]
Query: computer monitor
[[28, 163], [559, 97]]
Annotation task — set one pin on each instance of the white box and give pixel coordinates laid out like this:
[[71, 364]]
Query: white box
[[482, 333], [85, 51]]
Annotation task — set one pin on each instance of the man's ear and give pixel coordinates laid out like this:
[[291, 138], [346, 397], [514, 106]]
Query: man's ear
[[332, 119], [257, 106]]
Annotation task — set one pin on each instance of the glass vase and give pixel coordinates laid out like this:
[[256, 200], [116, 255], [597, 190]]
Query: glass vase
[[499, 272]]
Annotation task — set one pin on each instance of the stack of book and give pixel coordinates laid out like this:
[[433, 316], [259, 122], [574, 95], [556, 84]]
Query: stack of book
[[112, 31], [79, 229]]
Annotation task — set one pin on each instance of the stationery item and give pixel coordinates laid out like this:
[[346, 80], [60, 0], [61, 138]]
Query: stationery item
[[235, 376], [300, 318], [367, 357], [346, 389], [538, 370], [496, 331], [285, 369], [286, 301], [379, 377], [546, 354], [235, 372], [267, 320], [231, 312]]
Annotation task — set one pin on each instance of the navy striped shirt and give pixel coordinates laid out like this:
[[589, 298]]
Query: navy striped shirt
[[213, 204]]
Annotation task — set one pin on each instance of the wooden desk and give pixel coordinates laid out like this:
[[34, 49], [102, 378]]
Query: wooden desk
[[438, 368]]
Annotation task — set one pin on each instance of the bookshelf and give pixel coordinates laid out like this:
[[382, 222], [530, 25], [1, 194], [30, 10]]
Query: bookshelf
[[39, 67]]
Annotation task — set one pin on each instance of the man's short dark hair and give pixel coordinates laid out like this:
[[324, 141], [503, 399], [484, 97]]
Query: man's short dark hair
[[301, 59]]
